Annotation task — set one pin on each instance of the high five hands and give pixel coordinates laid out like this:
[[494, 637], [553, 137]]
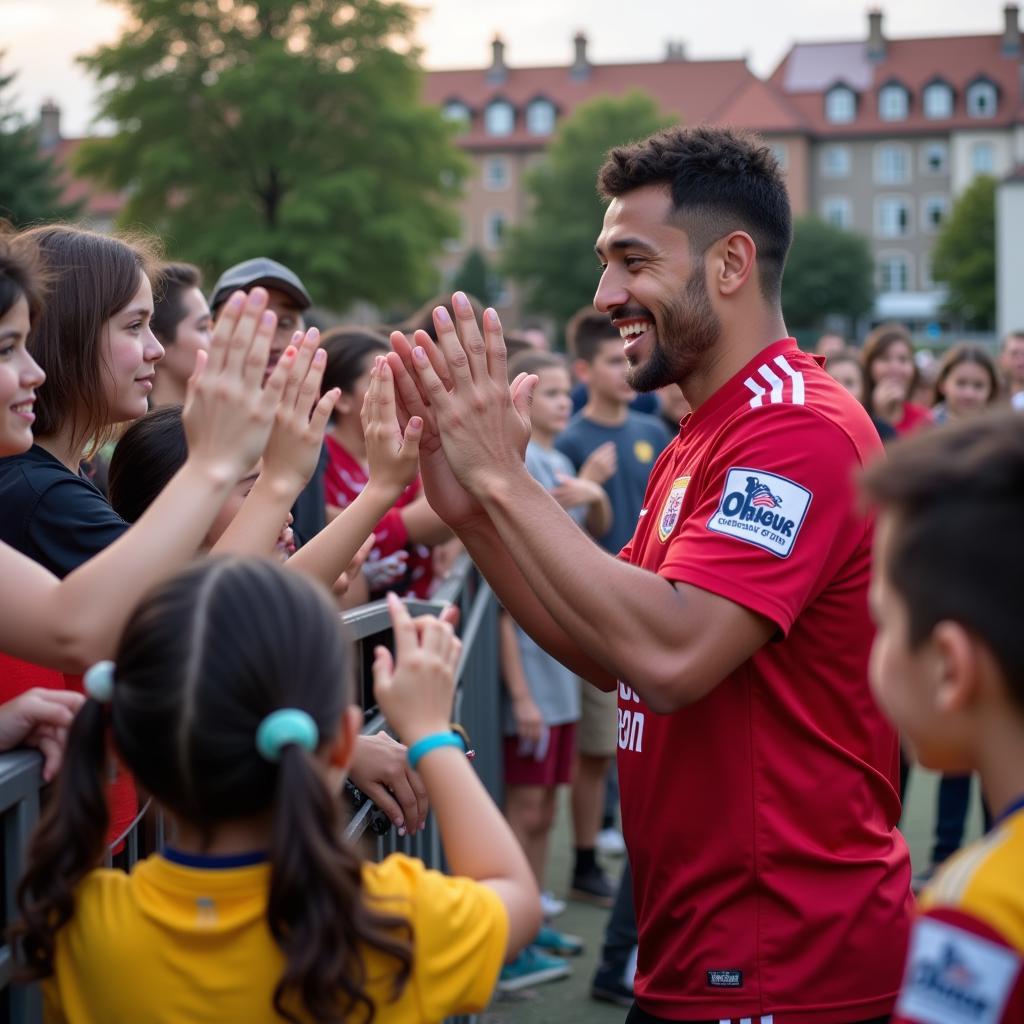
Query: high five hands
[[476, 426]]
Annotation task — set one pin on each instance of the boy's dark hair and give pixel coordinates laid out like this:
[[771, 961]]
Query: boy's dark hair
[[534, 361], [148, 454], [21, 275], [92, 277], [587, 332], [203, 660], [170, 284], [721, 180], [956, 495], [348, 355]]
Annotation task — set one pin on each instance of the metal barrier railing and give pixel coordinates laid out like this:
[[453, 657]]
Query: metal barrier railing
[[477, 710]]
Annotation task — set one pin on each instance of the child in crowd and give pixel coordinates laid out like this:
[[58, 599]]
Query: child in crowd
[[183, 324], [230, 699], [609, 443], [890, 378], [400, 559], [948, 669], [845, 367], [965, 384], [542, 702]]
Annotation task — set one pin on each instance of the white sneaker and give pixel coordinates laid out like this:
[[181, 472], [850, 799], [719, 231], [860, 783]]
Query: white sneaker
[[550, 905], [611, 843]]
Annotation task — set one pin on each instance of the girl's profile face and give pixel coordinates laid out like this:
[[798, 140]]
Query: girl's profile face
[[193, 333], [20, 375], [896, 363], [966, 389], [130, 352]]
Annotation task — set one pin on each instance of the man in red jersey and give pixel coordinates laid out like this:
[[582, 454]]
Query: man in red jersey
[[758, 778]]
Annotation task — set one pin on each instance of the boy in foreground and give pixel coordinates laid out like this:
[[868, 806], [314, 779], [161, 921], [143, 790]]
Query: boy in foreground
[[947, 667]]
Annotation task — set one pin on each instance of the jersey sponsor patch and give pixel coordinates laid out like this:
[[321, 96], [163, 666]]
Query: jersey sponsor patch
[[761, 508], [673, 505], [954, 977], [730, 978]]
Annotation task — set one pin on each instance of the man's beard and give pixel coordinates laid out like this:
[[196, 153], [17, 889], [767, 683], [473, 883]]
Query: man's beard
[[687, 331]]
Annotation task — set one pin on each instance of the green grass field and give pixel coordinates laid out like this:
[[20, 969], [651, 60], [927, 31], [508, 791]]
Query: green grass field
[[569, 1002]]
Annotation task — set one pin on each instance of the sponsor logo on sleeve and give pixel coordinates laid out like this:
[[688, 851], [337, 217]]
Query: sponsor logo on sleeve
[[672, 508], [954, 977], [761, 508]]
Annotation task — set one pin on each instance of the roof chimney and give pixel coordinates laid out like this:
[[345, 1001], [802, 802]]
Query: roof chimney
[[580, 65], [1011, 31], [675, 50], [876, 41], [497, 72], [49, 125]]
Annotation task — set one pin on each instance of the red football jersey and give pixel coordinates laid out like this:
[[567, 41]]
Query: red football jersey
[[344, 478], [770, 879]]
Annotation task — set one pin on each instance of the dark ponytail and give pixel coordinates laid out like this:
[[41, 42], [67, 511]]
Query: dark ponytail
[[316, 910], [67, 844], [202, 662]]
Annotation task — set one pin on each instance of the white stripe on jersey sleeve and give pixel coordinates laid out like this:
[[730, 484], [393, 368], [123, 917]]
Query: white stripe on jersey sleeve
[[798, 385], [758, 392]]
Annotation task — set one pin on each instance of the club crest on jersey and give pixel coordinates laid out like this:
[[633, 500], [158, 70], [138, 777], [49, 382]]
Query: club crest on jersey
[[672, 508], [761, 508]]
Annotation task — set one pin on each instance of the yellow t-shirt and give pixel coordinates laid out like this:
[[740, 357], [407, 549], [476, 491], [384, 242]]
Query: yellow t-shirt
[[170, 944]]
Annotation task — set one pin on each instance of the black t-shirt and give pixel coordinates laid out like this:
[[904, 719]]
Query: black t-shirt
[[55, 517]]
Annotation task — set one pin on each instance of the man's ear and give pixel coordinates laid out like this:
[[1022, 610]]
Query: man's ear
[[736, 260], [581, 370], [959, 664], [344, 744]]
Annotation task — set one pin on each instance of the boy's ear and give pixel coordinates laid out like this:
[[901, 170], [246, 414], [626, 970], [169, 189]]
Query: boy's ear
[[581, 370], [343, 404], [344, 744], [960, 664]]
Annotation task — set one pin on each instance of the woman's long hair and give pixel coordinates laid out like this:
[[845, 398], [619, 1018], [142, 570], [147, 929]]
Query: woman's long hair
[[876, 344], [204, 659]]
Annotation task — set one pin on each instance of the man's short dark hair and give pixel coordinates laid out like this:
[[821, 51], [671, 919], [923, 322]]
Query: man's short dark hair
[[957, 499], [720, 180], [171, 282], [587, 331]]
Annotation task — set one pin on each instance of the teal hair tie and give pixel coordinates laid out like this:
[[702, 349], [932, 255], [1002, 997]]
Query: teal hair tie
[[98, 682], [283, 727]]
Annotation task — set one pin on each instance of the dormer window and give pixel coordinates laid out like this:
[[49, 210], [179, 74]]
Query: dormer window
[[540, 117], [938, 101], [893, 102], [456, 112], [840, 104], [500, 118], [981, 99]]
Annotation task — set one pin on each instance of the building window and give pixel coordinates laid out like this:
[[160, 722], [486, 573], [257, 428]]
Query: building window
[[935, 158], [894, 273], [840, 105], [893, 103], [835, 162], [500, 118], [983, 158], [892, 217], [540, 117], [496, 174], [981, 99], [457, 113], [837, 211], [494, 231], [927, 282], [934, 210], [781, 153], [892, 165], [938, 101]]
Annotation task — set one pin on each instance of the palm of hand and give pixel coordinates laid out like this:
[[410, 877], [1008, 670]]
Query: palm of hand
[[446, 496]]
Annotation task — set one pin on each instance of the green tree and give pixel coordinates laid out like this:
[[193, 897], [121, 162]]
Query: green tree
[[290, 130], [475, 277], [828, 272], [964, 257], [29, 189], [551, 253]]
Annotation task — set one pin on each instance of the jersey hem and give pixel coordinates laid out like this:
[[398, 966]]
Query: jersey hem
[[842, 1013]]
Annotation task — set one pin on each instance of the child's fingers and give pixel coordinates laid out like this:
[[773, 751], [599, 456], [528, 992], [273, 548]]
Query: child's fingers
[[202, 361], [322, 413], [411, 438], [274, 388], [291, 386], [309, 390], [451, 614], [404, 627], [454, 654], [383, 666]]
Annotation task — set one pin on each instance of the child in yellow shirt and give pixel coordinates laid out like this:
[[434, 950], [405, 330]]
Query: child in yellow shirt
[[230, 700], [948, 668]]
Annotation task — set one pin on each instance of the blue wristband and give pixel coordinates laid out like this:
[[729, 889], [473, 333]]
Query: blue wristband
[[432, 742]]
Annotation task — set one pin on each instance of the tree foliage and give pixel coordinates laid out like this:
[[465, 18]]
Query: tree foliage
[[29, 187], [282, 129], [475, 277], [551, 253], [828, 272], [964, 257]]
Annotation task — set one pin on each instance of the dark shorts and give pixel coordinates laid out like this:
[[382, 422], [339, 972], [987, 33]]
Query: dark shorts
[[554, 769], [638, 1016]]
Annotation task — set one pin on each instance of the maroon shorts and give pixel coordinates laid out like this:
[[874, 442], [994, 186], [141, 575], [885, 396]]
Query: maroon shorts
[[554, 769]]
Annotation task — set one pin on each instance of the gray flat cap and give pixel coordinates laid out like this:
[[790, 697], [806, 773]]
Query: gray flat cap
[[260, 271]]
